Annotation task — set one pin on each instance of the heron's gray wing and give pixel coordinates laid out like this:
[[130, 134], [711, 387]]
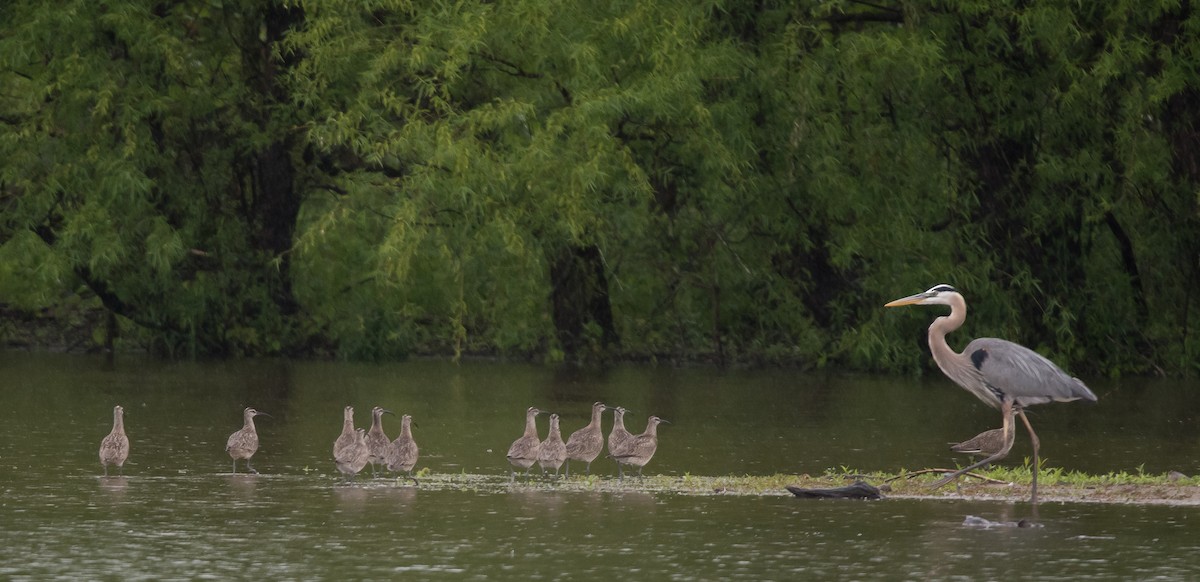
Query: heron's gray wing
[[1023, 374]]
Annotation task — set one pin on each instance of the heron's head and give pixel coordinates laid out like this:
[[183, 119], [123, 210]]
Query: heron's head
[[936, 295]]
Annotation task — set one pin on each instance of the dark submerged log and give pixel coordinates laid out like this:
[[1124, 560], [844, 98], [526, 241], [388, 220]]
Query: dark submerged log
[[859, 490]]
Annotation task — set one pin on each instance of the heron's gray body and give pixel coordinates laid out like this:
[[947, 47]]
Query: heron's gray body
[[1002, 368]]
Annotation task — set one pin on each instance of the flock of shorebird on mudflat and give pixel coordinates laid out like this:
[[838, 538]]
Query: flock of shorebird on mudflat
[[357, 447]]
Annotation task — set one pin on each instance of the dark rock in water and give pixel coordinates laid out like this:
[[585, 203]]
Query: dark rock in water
[[859, 490], [976, 521]]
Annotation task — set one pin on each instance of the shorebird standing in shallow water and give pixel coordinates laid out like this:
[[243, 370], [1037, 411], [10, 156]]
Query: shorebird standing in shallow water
[[351, 459], [638, 450], [347, 438], [377, 441], [402, 452], [242, 444], [553, 451], [586, 443], [618, 436], [997, 441], [524, 451], [114, 449]]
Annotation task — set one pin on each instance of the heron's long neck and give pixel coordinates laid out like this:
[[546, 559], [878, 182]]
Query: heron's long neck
[[952, 363], [596, 413], [118, 423], [249, 423], [619, 421], [531, 425], [406, 428], [651, 429], [554, 430], [377, 421]]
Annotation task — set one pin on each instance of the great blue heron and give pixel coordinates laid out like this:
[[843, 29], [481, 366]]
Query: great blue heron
[[1001, 373]]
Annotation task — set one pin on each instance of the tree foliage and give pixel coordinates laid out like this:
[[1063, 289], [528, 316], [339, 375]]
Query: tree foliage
[[729, 180]]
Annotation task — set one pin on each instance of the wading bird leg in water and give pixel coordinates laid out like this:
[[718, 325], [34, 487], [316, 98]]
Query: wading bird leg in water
[[1033, 438]]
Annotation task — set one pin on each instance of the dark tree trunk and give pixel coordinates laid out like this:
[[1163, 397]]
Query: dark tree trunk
[[579, 298], [275, 206]]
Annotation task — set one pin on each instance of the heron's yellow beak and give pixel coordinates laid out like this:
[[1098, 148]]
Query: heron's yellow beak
[[910, 300]]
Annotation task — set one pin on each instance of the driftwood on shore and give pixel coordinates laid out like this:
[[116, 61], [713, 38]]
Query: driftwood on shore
[[859, 490]]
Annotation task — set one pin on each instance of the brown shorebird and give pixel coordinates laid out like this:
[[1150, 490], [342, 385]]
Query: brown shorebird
[[618, 435], [991, 442], [351, 459], [586, 443], [553, 451], [243, 443], [377, 441], [114, 449], [347, 438], [402, 452], [524, 451], [638, 450]]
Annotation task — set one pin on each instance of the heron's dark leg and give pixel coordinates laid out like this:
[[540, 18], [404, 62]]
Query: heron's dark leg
[[1010, 434], [235, 466], [1033, 438], [568, 474]]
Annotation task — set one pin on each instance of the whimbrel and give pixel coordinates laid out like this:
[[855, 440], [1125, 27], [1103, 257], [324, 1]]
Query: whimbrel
[[242, 444], [586, 443], [553, 450], [351, 459], [377, 441], [991, 442], [524, 451], [114, 449], [402, 452], [638, 450], [618, 436], [347, 438]]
